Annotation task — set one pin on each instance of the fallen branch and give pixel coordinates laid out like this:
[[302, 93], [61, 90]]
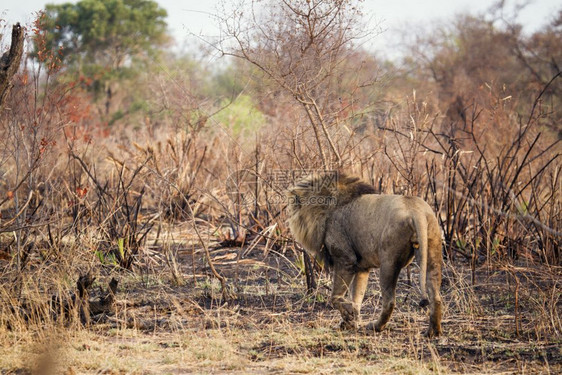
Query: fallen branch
[[81, 303]]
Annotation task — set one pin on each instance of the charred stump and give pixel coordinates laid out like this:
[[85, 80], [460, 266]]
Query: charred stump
[[10, 62], [309, 273], [81, 303]]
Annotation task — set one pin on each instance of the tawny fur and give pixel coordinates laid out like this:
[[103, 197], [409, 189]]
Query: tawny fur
[[312, 201], [341, 219]]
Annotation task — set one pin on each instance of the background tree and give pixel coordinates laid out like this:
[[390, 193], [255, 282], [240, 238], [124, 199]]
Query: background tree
[[474, 55], [105, 40], [540, 58], [302, 49]]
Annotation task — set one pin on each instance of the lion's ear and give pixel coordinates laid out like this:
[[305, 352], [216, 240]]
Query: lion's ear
[[296, 192], [294, 195]]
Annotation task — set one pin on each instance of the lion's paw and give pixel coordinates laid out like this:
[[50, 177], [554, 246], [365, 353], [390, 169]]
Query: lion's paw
[[348, 312], [433, 332], [347, 325], [375, 326]]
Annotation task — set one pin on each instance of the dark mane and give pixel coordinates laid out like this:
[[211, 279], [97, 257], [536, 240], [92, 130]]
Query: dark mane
[[350, 188]]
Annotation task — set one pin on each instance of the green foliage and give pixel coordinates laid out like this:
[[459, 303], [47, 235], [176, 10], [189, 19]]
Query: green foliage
[[495, 245], [105, 32], [108, 41], [461, 244], [316, 297], [242, 116], [112, 258], [299, 263], [229, 82], [120, 246], [108, 259]]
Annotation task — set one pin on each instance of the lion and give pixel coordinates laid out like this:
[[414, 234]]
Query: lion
[[342, 220]]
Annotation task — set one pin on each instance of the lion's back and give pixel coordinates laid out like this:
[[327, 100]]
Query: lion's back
[[370, 218]]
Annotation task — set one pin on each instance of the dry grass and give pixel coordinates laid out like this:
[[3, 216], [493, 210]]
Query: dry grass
[[186, 212], [173, 315], [271, 326]]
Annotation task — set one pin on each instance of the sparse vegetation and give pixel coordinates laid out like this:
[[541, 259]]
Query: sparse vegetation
[[153, 238]]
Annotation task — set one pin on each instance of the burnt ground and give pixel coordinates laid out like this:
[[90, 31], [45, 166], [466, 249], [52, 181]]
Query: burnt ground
[[508, 322]]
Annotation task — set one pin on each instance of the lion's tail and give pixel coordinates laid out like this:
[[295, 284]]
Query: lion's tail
[[420, 244]]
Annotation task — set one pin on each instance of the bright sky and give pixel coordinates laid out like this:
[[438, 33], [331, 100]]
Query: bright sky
[[192, 16]]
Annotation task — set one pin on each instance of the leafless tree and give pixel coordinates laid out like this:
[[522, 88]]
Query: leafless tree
[[301, 47]]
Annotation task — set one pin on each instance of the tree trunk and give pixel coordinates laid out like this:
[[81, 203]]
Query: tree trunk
[[10, 62]]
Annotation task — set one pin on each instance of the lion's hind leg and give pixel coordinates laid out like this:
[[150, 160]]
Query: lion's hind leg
[[341, 283], [434, 316], [388, 280], [433, 287], [358, 288]]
